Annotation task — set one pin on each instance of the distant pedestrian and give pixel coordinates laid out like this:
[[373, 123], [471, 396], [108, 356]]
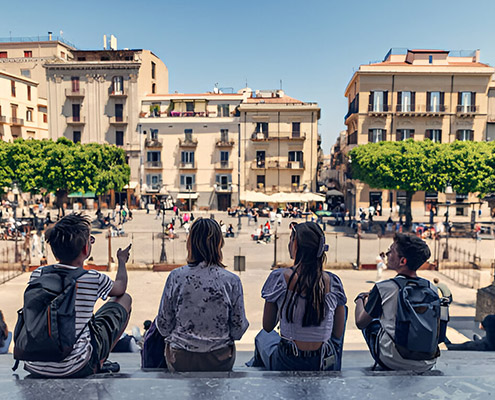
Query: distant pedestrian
[[380, 265]]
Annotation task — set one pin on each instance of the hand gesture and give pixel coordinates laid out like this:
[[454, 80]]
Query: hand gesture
[[123, 255]]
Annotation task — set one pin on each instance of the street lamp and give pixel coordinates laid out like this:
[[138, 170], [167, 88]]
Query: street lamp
[[163, 254]]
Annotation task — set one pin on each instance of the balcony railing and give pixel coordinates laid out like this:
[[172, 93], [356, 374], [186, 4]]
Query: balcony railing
[[259, 136], [258, 164], [188, 142], [189, 188], [188, 114], [153, 143], [224, 188], [17, 121], [154, 164], [118, 120], [461, 109], [420, 110], [3, 119], [189, 165], [224, 165], [118, 93], [76, 120], [295, 165], [70, 92], [225, 143], [383, 108]]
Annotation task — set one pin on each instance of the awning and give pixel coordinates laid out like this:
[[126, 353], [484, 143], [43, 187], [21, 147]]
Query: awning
[[313, 197], [131, 185], [291, 197], [87, 195], [255, 197], [187, 196], [334, 192]]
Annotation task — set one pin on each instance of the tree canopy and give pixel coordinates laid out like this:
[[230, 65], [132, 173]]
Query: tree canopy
[[425, 166]]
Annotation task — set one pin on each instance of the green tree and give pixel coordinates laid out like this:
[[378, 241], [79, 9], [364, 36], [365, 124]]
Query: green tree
[[409, 165]]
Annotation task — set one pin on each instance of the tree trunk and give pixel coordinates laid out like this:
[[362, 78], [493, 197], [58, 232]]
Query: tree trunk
[[60, 195], [408, 224]]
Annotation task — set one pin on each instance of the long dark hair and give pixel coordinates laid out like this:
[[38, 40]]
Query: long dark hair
[[205, 242], [308, 267], [3, 329]]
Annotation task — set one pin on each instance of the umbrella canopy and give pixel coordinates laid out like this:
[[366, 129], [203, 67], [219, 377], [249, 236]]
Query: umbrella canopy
[[334, 192], [255, 197]]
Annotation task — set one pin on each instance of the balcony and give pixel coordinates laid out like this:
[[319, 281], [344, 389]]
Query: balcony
[[154, 165], [69, 92], [419, 110], [223, 188], [188, 188], [258, 164], [467, 111], [189, 165], [225, 143], [16, 121], [259, 137], [378, 110], [188, 142], [224, 165], [3, 119], [120, 94], [294, 165], [76, 120], [294, 137], [153, 143], [118, 120], [188, 114]]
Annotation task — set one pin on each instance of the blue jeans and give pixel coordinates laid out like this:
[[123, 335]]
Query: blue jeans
[[5, 348], [370, 334]]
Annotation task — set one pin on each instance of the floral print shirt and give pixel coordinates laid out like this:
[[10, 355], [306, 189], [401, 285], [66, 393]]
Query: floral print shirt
[[202, 308]]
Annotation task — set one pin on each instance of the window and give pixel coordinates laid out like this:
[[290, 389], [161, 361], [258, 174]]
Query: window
[[104, 58], [154, 181], [153, 70], [29, 93], [260, 158], [74, 84], [434, 101], [154, 134], [260, 181], [28, 53], [262, 129], [377, 135], [295, 181], [3, 54], [223, 181], [223, 110], [76, 136], [464, 135], [81, 58], [153, 156], [188, 135], [118, 85], [45, 118], [13, 109], [62, 54], [25, 72], [187, 182], [189, 106], [406, 101], [296, 156], [296, 129], [466, 102], [119, 138], [187, 158], [378, 101], [404, 134], [430, 59], [119, 112], [76, 112], [224, 158], [153, 88], [224, 135], [435, 135], [29, 115], [12, 88]]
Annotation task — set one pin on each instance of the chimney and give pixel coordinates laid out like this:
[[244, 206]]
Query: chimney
[[104, 42], [477, 56], [50, 35]]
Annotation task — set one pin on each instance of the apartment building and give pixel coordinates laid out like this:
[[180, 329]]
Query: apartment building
[[421, 94], [25, 56], [95, 97], [212, 149], [22, 113]]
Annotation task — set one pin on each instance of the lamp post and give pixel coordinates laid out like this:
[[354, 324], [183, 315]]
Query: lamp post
[[163, 254], [446, 223]]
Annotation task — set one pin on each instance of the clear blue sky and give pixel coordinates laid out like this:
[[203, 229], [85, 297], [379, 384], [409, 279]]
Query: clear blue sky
[[312, 46]]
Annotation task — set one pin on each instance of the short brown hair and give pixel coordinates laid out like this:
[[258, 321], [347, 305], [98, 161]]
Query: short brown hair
[[68, 236], [413, 249], [205, 242]]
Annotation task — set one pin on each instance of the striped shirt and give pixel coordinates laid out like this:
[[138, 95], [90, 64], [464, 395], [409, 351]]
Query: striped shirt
[[90, 287]]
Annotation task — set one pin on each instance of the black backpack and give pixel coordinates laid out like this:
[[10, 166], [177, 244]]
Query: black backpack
[[46, 325], [417, 325]]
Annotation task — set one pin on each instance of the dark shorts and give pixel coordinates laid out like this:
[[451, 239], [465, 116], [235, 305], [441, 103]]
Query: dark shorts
[[106, 328]]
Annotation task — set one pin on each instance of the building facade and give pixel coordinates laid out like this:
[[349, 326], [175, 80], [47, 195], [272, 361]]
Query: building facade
[[22, 113], [420, 94], [211, 150], [95, 97]]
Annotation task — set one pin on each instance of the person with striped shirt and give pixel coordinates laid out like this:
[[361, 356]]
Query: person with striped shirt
[[71, 241]]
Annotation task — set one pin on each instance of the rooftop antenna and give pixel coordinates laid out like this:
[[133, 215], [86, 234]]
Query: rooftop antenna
[[280, 84], [246, 83]]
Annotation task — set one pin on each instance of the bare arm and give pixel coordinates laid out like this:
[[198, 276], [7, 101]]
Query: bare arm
[[120, 284], [339, 322], [270, 316], [363, 319]]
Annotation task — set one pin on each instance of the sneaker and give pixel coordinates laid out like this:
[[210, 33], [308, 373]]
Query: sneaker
[[109, 366]]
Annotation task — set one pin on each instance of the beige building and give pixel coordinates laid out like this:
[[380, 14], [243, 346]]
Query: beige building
[[435, 94], [22, 113], [95, 97], [206, 149]]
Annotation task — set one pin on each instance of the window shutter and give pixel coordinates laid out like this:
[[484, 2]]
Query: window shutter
[[428, 134], [442, 101], [372, 98], [398, 135], [458, 135], [411, 132], [471, 135], [440, 136], [370, 136], [191, 157], [428, 101], [459, 98], [229, 178], [384, 135], [182, 180], [413, 101], [148, 180], [217, 179], [399, 101], [473, 101], [385, 100], [193, 179]]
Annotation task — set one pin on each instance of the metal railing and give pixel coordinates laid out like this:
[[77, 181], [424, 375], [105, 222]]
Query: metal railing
[[36, 39]]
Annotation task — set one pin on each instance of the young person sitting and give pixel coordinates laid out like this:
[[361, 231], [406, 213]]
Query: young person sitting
[[309, 303], [486, 343], [71, 242], [5, 336], [202, 308], [377, 311]]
